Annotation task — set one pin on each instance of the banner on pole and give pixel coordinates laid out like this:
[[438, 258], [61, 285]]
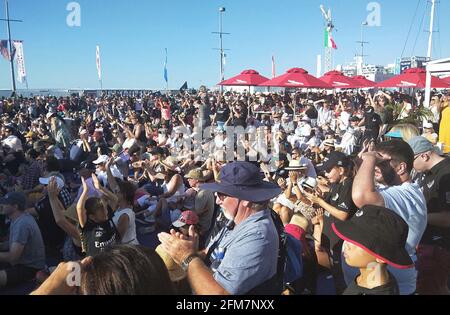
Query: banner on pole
[[166, 75], [99, 65], [20, 60], [4, 49]]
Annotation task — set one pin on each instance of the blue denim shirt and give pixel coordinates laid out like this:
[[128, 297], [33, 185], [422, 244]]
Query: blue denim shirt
[[250, 254]]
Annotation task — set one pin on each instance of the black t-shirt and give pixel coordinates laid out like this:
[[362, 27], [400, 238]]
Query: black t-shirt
[[340, 197], [373, 122], [436, 189], [222, 114], [204, 112], [103, 147], [390, 288], [312, 113], [240, 121], [52, 235], [96, 237]]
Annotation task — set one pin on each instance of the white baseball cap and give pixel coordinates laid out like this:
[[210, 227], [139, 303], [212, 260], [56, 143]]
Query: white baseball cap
[[46, 180], [428, 125], [101, 159]]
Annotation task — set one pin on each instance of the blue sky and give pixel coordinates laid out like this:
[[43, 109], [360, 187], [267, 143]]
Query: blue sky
[[132, 35]]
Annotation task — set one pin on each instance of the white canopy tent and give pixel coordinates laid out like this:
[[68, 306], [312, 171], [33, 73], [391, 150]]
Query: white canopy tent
[[434, 67]]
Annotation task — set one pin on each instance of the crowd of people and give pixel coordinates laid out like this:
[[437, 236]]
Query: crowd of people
[[203, 192]]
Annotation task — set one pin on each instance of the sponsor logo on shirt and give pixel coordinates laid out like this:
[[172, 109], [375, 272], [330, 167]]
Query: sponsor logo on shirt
[[343, 206], [359, 213], [335, 197], [430, 184]]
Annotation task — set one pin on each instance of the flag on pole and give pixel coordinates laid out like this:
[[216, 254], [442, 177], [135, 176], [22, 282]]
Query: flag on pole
[[166, 76], [99, 64], [184, 87], [4, 49], [20, 59], [273, 67], [329, 41]]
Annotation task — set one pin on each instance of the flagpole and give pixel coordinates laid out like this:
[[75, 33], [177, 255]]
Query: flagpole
[[11, 59]]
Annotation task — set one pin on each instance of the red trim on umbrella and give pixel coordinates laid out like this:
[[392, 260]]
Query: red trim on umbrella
[[297, 78], [246, 78], [364, 82], [413, 78], [338, 80]]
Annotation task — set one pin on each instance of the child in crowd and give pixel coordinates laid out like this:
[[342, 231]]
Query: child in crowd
[[374, 238]]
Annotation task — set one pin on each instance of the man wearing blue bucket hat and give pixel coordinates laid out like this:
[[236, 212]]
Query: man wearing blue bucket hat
[[242, 258]]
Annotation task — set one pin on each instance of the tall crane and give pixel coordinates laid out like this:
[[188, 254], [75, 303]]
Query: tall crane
[[329, 42]]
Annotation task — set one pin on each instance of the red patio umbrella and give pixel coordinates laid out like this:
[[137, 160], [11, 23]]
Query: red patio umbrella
[[338, 80], [246, 78], [413, 78], [296, 78], [364, 82]]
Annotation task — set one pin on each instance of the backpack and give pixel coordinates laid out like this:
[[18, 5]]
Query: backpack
[[290, 262]]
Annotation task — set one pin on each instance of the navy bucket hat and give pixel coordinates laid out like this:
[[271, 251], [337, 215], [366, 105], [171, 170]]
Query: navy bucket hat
[[243, 180]]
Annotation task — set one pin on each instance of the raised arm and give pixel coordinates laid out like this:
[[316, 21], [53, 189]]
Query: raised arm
[[111, 179], [81, 210], [363, 190], [58, 210], [110, 197]]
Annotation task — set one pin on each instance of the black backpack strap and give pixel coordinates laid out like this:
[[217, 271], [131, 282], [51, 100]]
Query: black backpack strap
[[282, 253]]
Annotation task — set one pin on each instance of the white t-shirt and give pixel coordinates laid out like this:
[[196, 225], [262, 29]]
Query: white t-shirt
[[324, 116], [311, 171], [130, 234], [344, 119], [128, 143], [13, 143]]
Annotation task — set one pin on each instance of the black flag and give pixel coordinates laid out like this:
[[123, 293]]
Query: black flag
[[184, 87]]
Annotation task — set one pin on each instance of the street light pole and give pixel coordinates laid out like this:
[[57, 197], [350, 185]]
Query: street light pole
[[222, 76], [362, 42], [221, 49]]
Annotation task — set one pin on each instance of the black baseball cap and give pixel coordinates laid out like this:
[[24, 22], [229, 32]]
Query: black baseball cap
[[335, 158], [380, 232], [369, 109], [157, 151], [14, 198]]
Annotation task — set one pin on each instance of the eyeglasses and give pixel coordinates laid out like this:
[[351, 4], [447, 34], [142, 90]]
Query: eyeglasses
[[221, 196]]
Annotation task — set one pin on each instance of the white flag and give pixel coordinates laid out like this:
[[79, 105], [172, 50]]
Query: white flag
[[99, 65], [20, 59]]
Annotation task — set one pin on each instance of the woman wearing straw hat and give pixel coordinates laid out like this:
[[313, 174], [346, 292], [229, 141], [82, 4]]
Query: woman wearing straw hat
[[285, 203]]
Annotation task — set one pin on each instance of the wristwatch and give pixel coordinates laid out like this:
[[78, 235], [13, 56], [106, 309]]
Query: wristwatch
[[188, 260]]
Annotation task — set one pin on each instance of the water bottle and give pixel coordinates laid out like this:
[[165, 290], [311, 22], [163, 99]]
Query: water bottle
[[220, 253]]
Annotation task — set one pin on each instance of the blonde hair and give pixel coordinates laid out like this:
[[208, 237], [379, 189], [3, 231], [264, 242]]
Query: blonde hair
[[407, 131]]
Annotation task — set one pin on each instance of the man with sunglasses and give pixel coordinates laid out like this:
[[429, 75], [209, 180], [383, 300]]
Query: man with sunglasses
[[390, 166], [245, 251], [434, 248]]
